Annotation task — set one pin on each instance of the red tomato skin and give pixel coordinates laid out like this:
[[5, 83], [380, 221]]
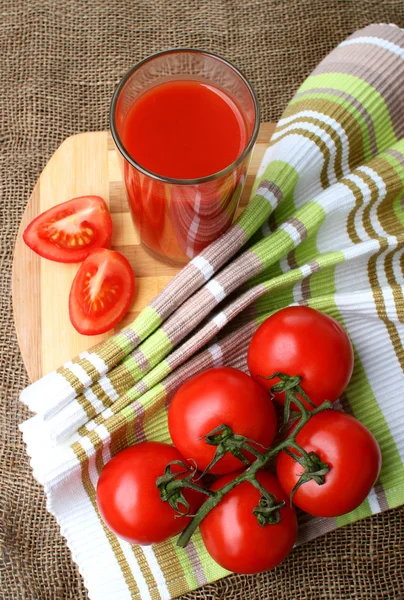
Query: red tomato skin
[[233, 536], [299, 340], [96, 215], [215, 397], [129, 501], [117, 265], [351, 451]]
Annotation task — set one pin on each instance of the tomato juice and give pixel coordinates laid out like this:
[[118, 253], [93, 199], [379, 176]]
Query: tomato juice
[[183, 130]]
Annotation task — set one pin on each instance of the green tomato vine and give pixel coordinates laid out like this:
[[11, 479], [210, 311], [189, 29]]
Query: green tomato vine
[[171, 485]]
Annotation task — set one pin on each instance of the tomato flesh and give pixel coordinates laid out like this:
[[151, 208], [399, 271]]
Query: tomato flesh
[[129, 501], [101, 293], [68, 232], [233, 536], [299, 340], [353, 455], [220, 396]]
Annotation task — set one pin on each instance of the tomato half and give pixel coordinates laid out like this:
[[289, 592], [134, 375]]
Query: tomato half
[[129, 501], [101, 292], [68, 232], [233, 536], [221, 396], [302, 341], [353, 455]]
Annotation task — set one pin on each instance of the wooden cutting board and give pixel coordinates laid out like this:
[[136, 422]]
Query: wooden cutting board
[[84, 164]]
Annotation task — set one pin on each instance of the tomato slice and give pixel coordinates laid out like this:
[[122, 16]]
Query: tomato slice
[[68, 232], [101, 292]]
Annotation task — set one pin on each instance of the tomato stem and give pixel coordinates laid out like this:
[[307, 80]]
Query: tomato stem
[[226, 441], [313, 467], [171, 484], [267, 511]]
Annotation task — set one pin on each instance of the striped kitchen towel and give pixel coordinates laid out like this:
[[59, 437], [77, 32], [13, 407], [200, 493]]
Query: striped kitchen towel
[[324, 228]]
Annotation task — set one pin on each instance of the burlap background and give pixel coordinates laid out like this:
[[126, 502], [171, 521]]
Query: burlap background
[[59, 63]]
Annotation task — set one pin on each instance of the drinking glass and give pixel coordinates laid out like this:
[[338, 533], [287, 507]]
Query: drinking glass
[[177, 218]]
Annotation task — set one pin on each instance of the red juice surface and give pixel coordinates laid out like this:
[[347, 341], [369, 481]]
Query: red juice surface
[[184, 130]]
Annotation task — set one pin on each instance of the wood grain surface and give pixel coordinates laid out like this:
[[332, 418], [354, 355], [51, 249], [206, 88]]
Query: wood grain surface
[[83, 164]]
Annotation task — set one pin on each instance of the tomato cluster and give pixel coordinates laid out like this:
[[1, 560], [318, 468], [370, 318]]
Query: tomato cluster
[[222, 422], [80, 230]]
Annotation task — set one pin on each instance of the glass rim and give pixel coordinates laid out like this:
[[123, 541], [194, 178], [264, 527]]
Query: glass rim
[[172, 180]]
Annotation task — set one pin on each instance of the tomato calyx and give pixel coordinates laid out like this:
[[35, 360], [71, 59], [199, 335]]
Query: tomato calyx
[[226, 441], [313, 467], [290, 386], [267, 510], [172, 484]]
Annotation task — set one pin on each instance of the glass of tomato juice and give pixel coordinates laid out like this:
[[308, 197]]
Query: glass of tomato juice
[[185, 122]]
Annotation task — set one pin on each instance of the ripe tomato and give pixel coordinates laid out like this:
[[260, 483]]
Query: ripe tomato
[[69, 231], [221, 396], [101, 292], [129, 500], [353, 455], [302, 341], [233, 536]]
